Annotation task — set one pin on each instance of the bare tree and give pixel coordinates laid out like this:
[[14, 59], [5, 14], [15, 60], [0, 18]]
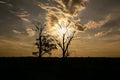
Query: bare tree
[[44, 41], [67, 34], [66, 39]]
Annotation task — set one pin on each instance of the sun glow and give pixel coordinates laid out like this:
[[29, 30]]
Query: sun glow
[[62, 28]]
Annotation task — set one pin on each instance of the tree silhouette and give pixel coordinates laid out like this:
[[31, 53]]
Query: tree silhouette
[[44, 41], [66, 38]]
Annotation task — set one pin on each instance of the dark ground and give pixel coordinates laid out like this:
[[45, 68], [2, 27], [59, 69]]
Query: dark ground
[[30, 68]]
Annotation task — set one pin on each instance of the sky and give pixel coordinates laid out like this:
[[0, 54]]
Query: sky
[[101, 19]]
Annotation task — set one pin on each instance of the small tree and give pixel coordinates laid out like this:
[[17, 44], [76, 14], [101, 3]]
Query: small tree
[[44, 41]]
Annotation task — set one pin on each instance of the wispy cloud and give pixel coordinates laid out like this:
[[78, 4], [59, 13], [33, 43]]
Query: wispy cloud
[[22, 14], [17, 44], [2, 2], [14, 43], [8, 4], [93, 24], [103, 33], [25, 19], [30, 32], [16, 32]]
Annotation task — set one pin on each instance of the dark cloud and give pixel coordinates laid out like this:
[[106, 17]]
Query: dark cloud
[[98, 9]]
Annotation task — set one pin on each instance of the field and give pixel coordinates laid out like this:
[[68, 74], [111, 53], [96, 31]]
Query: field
[[30, 68]]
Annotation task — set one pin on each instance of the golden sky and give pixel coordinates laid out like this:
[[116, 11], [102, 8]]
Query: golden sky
[[101, 18]]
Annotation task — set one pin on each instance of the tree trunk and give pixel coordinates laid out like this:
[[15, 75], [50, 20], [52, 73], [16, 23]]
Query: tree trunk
[[40, 48], [63, 53], [63, 46]]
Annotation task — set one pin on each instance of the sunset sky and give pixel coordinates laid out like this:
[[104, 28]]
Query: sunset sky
[[101, 38]]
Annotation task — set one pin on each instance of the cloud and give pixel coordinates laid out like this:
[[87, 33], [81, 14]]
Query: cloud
[[8, 4], [93, 24], [103, 33], [119, 29], [71, 6], [62, 9], [68, 7], [16, 32], [30, 32], [25, 19], [100, 34], [2, 2], [22, 14]]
